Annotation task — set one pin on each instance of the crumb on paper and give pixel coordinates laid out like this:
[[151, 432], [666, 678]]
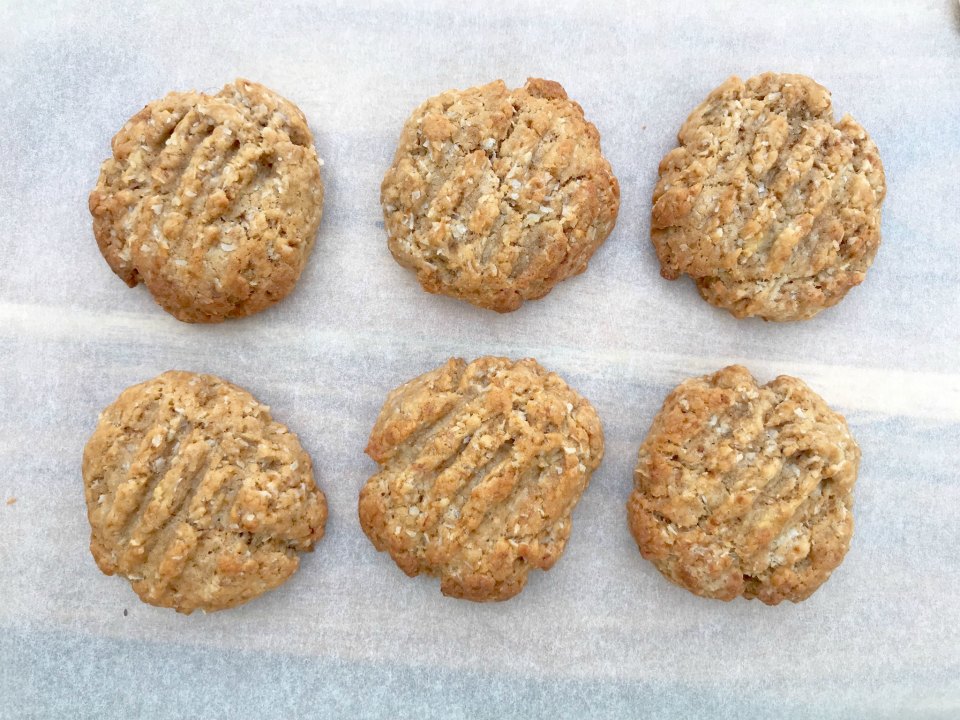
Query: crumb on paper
[[11, 501]]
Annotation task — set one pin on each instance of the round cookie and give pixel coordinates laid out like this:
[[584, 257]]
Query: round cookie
[[211, 201], [481, 466], [768, 204], [745, 490], [196, 495], [496, 195]]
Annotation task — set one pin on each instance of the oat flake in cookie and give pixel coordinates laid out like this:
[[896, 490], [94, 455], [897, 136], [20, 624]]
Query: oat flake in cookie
[[211, 201], [745, 490], [196, 495], [771, 206], [481, 465], [496, 195]]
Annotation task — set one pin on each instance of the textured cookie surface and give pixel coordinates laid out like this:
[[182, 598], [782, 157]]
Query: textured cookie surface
[[496, 195], [481, 466], [768, 204], [745, 490], [196, 495], [212, 201]]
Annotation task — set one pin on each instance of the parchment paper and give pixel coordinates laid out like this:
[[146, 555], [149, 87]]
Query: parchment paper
[[602, 634]]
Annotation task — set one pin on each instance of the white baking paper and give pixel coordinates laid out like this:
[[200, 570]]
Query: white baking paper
[[602, 634]]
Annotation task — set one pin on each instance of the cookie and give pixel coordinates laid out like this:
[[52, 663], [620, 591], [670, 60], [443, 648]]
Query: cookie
[[481, 465], [196, 495], [211, 201], [771, 206], [745, 490], [496, 195]]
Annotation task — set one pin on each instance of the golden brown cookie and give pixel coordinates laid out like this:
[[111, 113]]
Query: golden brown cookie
[[768, 204], [212, 201], [481, 466], [196, 495], [743, 489], [496, 195]]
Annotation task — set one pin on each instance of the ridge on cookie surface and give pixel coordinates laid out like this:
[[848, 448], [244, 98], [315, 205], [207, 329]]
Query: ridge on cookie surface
[[211, 201], [481, 466], [496, 195]]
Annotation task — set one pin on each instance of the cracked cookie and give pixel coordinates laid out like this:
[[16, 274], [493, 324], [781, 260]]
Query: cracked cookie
[[496, 195], [211, 201], [745, 490], [481, 465], [771, 206], [196, 495]]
